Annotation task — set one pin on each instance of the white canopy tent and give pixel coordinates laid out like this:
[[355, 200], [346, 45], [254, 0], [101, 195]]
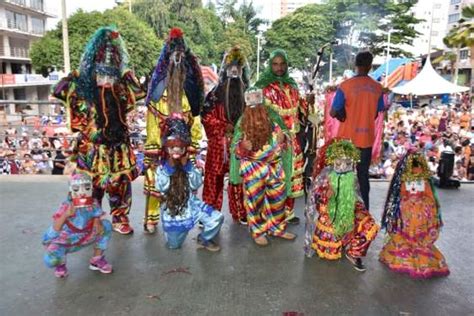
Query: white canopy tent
[[429, 82]]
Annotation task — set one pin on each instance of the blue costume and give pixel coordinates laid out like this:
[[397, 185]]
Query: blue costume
[[176, 227]]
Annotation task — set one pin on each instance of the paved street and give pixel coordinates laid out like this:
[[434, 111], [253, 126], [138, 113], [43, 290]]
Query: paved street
[[242, 279]]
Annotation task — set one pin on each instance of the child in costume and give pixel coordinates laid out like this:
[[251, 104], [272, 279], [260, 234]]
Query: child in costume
[[261, 160], [412, 219], [77, 224], [176, 86], [98, 97], [177, 180], [336, 218]]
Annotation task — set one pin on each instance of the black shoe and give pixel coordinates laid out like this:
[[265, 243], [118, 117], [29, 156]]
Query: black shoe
[[200, 224], [356, 263], [294, 220]]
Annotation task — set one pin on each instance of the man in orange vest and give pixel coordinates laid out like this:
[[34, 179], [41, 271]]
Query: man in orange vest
[[356, 104]]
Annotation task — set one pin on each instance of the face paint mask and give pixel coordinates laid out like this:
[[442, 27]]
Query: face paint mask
[[343, 165], [80, 187], [234, 72], [176, 152], [176, 57]]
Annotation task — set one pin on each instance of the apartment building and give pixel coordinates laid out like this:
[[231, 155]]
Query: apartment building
[[466, 58], [21, 23]]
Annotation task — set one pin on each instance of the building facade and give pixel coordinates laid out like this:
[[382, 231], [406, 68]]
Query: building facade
[[288, 6], [21, 23], [466, 56]]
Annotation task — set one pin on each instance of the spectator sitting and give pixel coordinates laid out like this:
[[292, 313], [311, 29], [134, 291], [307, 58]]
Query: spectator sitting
[[28, 166], [10, 165]]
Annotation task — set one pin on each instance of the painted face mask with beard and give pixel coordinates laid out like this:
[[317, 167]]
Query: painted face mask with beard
[[232, 93], [256, 126], [175, 142], [175, 84]]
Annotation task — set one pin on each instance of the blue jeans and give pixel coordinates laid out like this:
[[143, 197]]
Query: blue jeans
[[212, 225]]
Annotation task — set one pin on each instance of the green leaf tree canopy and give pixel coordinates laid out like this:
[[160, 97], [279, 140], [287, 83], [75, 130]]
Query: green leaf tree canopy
[[142, 44]]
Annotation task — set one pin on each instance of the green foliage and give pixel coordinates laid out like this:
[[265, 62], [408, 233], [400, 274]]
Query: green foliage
[[462, 34], [209, 31], [142, 44], [301, 34]]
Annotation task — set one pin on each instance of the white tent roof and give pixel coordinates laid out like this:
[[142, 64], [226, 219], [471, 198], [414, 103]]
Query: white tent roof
[[428, 82]]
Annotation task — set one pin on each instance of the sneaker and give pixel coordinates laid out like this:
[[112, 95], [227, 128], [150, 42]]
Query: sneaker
[[356, 263], [150, 228], [294, 220], [61, 271], [122, 228], [200, 224], [99, 263], [208, 245], [243, 221]]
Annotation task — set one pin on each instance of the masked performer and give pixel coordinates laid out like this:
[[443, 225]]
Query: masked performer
[[336, 218], [261, 159], [281, 94], [98, 98], [412, 219], [176, 86], [223, 107], [177, 180], [77, 224]]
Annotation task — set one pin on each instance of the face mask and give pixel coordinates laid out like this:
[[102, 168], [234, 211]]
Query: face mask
[[81, 191], [176, 152], [234, 72], [176, 57], [343, 165]]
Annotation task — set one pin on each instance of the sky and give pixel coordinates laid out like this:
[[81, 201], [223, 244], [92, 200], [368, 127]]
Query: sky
[[54, 6], [264, 7]]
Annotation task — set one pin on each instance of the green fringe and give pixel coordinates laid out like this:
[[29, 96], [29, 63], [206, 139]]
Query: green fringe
[[342, 202]]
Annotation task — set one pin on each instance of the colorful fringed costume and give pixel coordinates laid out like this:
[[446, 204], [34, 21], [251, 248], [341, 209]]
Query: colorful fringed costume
[[176, 86], [412, 219], [98, 98], [77, 224], [177, 180], [282, 95], [265, 173], [223, 107], [336, 218]]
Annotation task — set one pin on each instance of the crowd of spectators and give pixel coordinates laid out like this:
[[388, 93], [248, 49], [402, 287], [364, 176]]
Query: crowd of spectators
[[43, 148], [433, 130]]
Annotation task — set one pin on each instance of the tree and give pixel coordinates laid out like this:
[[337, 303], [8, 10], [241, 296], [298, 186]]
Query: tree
[[201, 26], [142, 44], [461, 36], [364, 23], [301, 34]]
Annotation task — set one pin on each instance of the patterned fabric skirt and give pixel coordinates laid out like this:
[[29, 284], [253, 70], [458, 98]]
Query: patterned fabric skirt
[[356, 242], [412, 250]]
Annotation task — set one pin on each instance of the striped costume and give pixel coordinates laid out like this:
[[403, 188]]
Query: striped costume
[[266, 176]]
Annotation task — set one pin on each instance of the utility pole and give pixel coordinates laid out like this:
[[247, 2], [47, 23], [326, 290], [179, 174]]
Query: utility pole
[[259, 36], [67, 62], [387, 61]]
